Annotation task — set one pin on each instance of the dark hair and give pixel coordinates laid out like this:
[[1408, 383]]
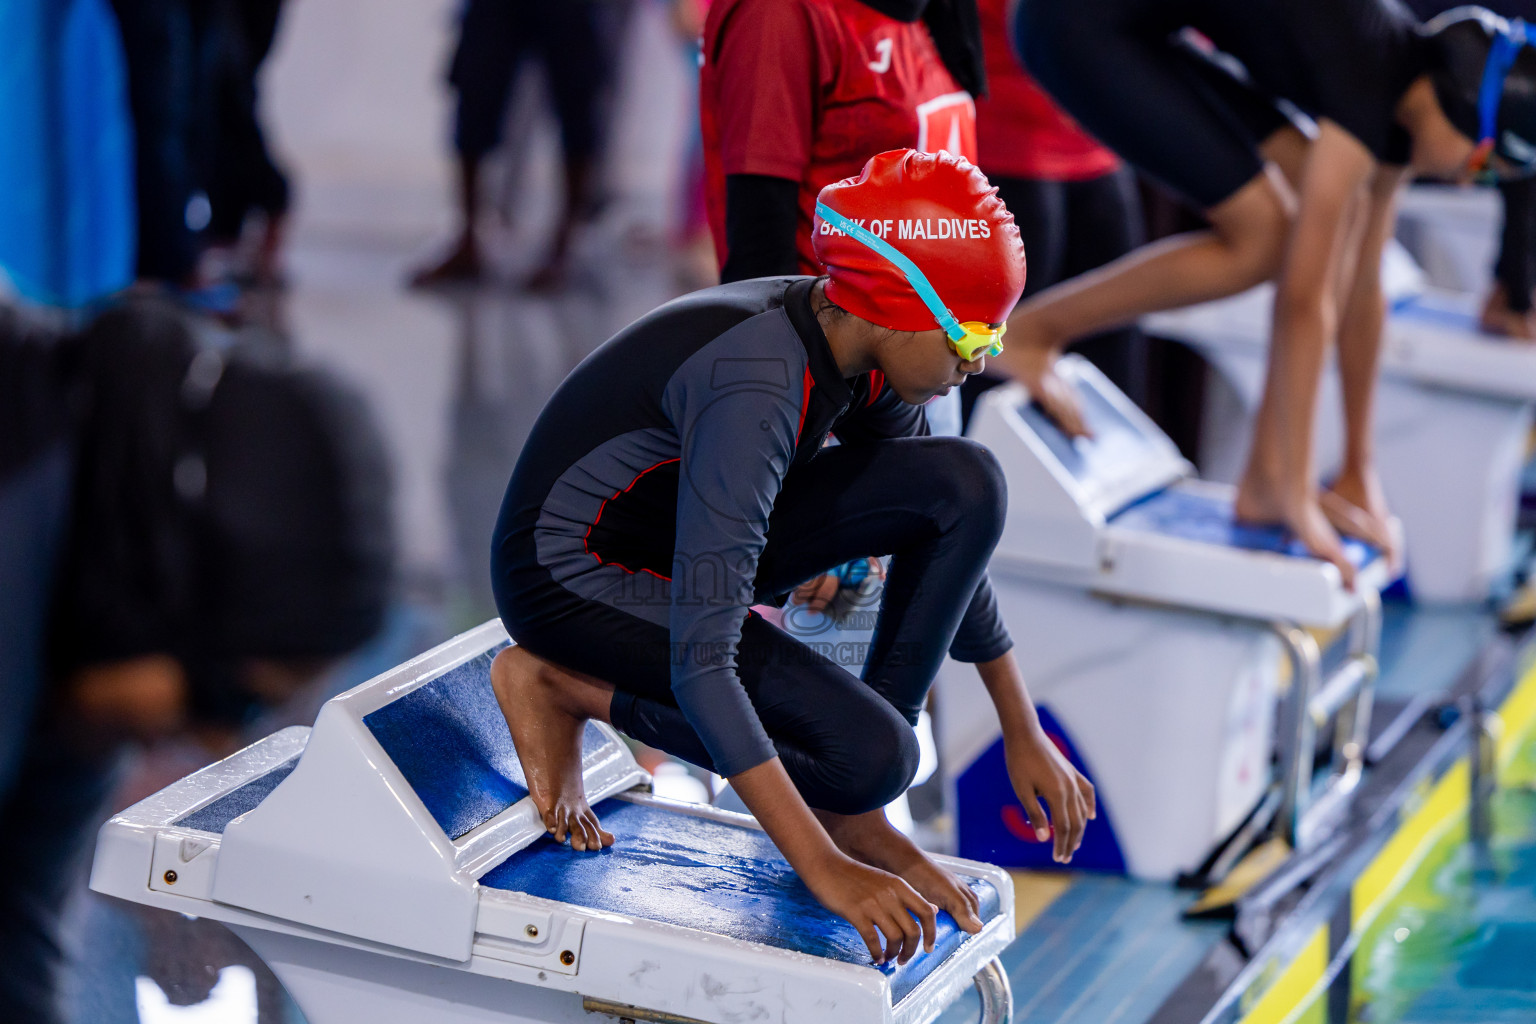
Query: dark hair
[[1460, 41]]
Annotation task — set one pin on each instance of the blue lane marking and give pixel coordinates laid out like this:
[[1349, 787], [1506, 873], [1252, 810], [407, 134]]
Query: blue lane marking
[[1108, 950], [1209, 520], [216, 816], [450, 741], [712, 876]]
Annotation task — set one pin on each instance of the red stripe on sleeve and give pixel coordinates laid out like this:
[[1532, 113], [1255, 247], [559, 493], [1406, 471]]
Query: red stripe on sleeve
[[876, 385], [805, 401]]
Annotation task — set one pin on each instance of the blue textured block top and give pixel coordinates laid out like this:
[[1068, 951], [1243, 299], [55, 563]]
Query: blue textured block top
[[1210, 520], [713, 876]]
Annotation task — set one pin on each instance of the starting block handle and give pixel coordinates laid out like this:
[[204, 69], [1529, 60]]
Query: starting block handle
[[996, 993], [1346, 698]]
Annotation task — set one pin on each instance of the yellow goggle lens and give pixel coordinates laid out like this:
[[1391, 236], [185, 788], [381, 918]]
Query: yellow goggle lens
[[979, 339]]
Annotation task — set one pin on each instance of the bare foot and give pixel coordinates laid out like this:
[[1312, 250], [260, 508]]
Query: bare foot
[[547, 708], [460, 266], [873, 840], [1498, 318], [1357, 507], [1259, 503]]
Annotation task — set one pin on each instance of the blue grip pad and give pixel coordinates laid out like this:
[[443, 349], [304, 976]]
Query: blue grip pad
[[1209, 520], [450, 741], [712, 876], [215, 817], [1117, 442]]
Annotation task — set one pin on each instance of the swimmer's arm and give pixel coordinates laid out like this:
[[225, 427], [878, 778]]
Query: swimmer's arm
[[1037, 769], [1306, 314], [866, 897], [1363, 317]]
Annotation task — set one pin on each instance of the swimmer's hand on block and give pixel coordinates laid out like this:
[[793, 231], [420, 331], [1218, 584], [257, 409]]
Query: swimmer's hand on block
[[1033, 365]]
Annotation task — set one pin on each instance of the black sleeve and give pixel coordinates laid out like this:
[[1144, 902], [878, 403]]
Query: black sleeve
[[761, 216]]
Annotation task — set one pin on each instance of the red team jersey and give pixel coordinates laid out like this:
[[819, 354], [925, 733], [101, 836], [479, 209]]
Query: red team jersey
[[810, 89], [1021, 131]]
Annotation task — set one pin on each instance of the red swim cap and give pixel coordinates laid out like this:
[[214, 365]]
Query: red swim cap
[[940, 212]]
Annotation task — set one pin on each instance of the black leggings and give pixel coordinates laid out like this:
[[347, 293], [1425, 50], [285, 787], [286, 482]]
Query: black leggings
[[571, 39], [1120, 69], [935, 504], [1516, 268]]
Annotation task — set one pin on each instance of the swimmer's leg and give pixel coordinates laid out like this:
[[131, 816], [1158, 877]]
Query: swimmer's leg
[[547, 709], [873, 840]]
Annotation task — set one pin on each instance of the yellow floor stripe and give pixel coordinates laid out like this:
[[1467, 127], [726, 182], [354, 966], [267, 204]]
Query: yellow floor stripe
[[1298, 979], [1387, 871], [1446, 801], [1033, 891], [1518, 714]]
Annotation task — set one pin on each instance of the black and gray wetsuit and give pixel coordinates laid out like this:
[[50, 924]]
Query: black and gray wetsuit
[[678, 476], [1127, 71]]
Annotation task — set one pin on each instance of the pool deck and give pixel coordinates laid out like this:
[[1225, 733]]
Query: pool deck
[[1102, 950]]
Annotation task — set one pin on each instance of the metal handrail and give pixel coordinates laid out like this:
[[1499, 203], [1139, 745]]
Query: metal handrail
[[1347, 697], [996, 993]]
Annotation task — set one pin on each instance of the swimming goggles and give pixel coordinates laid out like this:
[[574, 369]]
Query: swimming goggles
[[1501, 58], [970, 340]]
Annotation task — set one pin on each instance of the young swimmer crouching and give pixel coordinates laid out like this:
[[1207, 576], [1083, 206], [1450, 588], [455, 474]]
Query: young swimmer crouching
[[677, 477]]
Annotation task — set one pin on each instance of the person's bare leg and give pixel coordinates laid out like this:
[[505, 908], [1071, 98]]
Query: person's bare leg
[[1355, 503], [579, 178], [463, 261], [873, 840], [1277, 485], [1243, 247], [547, 708], [1287, 149]]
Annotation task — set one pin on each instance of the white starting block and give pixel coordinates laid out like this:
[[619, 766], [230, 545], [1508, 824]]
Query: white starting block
[[1453, 233], [1453, 418], [389, 866], [1151, 629]]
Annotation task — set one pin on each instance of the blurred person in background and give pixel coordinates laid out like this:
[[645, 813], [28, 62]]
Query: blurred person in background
[[160, 40], [201, 161], [67, 208], [1389, 98], [204, 526], [573, 41], [697, 267], [798, 94], [1507, 307], [65, 241], [243, 179], [1075, 202]]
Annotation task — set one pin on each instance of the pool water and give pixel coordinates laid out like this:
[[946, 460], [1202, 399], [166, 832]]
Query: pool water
[[1458, 943]]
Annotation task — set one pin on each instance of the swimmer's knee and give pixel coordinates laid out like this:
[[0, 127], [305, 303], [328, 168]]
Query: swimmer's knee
[[969, 479], [888, 765], [1254, 224]]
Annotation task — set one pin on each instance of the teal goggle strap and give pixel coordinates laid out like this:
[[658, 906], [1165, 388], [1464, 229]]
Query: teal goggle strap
[[915, 277]]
